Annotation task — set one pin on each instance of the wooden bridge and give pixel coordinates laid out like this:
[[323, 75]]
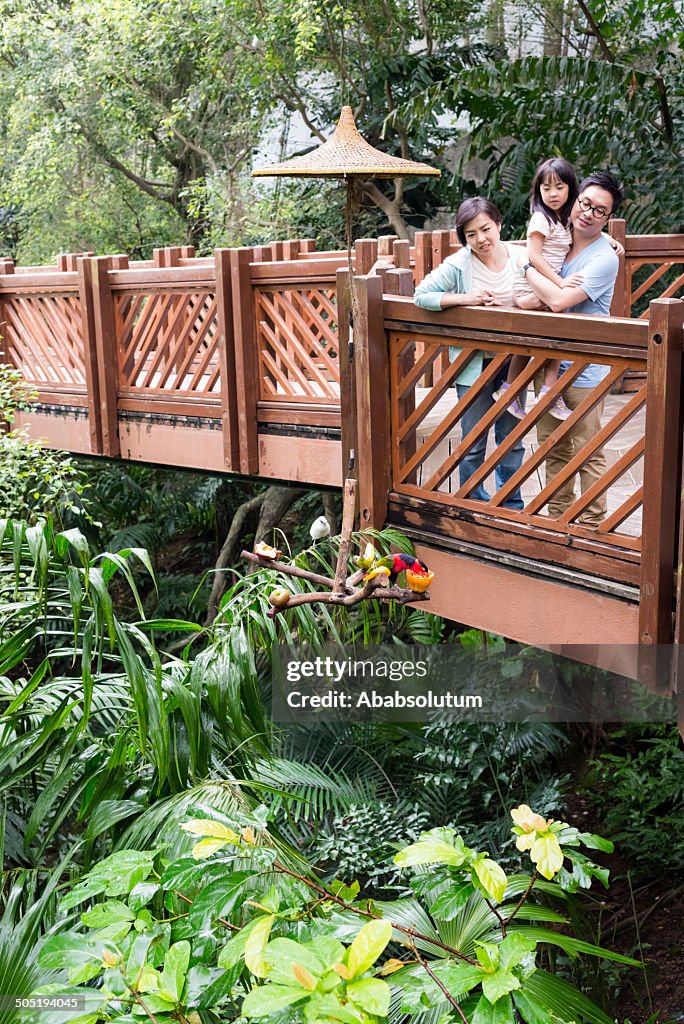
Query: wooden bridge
[[243, 363]]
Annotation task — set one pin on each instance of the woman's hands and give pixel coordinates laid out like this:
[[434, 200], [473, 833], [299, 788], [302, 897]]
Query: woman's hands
[[479, 298]]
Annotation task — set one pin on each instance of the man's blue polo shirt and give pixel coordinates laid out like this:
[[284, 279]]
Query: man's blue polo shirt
[[598, 264]]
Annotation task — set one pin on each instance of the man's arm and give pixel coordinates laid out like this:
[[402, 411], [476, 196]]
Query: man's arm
[[556, 298]]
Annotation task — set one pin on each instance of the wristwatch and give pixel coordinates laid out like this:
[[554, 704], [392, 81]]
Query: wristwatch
[[525, 267]]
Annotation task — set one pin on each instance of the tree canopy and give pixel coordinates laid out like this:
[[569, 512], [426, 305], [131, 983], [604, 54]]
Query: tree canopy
[[133, 123]]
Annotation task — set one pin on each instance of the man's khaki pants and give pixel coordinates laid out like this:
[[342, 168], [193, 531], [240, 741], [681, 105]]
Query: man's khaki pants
[[559, 456]]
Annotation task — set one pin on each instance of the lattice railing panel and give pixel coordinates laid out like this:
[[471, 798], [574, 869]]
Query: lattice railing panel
[[298, 344], [445, 445], [43, 335], [167, 342], [650, 279]]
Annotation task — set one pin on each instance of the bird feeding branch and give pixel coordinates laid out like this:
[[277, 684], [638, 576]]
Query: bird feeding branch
[[370, 581]]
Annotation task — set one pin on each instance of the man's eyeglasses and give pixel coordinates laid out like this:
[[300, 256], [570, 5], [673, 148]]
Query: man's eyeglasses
[[597, 211]]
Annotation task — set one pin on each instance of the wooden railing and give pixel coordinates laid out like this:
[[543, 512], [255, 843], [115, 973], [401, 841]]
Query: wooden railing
[[412, 475], [242, 362]]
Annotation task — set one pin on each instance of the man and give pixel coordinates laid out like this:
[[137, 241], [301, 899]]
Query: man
[[592, 256]]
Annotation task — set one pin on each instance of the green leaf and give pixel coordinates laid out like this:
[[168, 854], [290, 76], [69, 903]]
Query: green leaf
[[268, 999], [85, 972], [83, 891], [175, 969], [123, 870], [282, 955], [499, 1013], [514, 949], [545, 994], [234, 949], [458, 978], [438, 846], [368, 946], [67, 950], [488, 955], [449, 903], [596, 842], [255, 945], [371, 995], [104, 914], [142, 893], [499, 984], [491, 877], [574, 947]]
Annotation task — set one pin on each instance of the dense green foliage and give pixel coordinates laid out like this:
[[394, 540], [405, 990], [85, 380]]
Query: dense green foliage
[[638, 786], [133, 123], [469, 932]]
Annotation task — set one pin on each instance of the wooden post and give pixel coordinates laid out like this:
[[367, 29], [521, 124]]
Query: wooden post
[[662, 485], [441, 247], [347, 377], [291, 249], [246, 358], [171, 255], [372, 403], [106, 349], [85, 289], [385, 243], [401, 250], [6, 267], [399, 281], [365, 255], [226, 349], [620, 304], [307, 245], [423, 265]]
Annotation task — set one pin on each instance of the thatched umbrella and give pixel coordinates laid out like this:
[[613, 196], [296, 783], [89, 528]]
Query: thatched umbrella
[[347, 155]]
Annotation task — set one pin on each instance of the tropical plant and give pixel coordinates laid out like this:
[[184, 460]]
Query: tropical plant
[[638, 790], [96, 724], [468, 942]]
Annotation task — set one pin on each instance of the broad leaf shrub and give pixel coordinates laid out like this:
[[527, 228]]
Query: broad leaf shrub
[[638, 788], [34, 481], [240, 929]]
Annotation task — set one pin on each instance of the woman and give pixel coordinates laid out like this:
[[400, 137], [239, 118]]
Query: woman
[[480, 274]]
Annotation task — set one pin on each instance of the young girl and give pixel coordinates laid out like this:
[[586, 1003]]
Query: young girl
[[554, 191]]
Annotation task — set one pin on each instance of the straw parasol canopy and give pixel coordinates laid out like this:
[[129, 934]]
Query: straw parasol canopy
[[346, 154]]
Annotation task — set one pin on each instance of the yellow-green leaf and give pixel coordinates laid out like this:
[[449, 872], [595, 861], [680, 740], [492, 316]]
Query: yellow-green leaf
[[204, 827], [492, 877], [547, 854], [255, 945], [367, 946], [206, 847]]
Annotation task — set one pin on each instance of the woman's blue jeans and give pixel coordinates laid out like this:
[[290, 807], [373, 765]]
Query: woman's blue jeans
[[475, 456]]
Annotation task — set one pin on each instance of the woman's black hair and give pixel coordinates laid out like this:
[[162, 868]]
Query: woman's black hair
[[563, 170], [469, 209]]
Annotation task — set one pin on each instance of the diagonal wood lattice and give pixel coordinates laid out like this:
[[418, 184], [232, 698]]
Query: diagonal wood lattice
[[429, 443], [298, 344], [43, 334], [661, 280], [167, 342]]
